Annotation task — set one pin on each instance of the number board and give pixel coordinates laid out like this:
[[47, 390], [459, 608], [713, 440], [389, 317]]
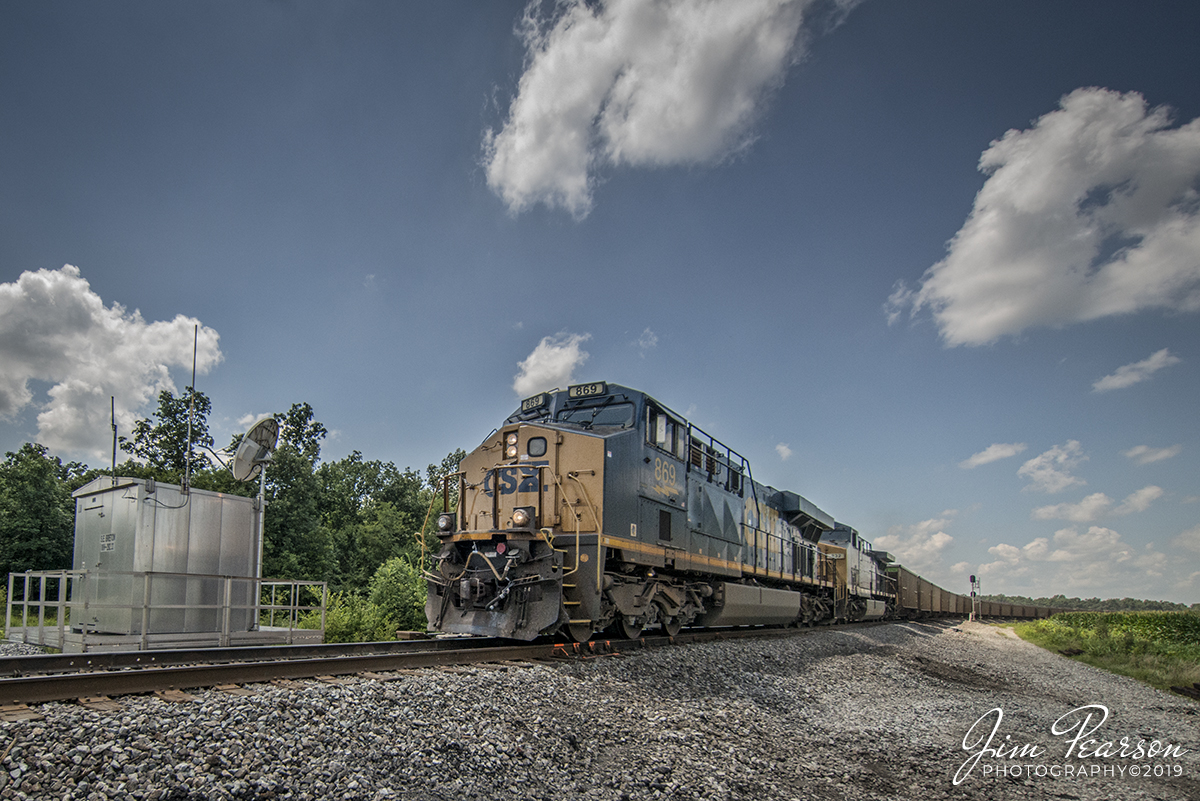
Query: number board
[[592, 390], [536, 402]]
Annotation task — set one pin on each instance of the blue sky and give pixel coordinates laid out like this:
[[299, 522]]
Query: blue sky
[[770, 215]]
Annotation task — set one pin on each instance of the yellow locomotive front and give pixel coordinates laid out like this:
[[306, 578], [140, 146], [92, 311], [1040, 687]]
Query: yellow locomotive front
[[524, 531]]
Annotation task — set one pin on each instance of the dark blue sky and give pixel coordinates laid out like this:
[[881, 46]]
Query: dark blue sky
[[311, 183]]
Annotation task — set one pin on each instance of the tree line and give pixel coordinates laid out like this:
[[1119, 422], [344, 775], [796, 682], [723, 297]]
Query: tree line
[[1093, 604], [335, 521]]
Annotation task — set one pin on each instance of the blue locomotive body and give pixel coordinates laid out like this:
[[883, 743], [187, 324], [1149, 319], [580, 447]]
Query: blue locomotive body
[[599, 508]]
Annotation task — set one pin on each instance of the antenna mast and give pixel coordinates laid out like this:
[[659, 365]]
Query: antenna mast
[[187, 470], [113, 404]]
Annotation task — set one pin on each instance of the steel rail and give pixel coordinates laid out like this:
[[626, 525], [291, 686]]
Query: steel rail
[[347, 659], [61, 687], [125, 660]]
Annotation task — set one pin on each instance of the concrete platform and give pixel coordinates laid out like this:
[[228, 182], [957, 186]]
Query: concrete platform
[[76, 642]]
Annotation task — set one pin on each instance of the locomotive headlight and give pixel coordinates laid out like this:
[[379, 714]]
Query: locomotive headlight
[[445, 522], [520, 517], [510, 446]]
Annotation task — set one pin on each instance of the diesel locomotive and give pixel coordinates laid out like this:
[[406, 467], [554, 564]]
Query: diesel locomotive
[[599, 508]]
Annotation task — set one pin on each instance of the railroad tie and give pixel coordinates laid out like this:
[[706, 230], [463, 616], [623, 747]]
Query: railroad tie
[[99, 703], [12, 713], [335, 679]]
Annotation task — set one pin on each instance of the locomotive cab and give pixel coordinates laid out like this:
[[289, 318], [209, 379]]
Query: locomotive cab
[[869, 591], [530, 508]]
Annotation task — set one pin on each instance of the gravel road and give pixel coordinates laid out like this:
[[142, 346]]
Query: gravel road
[[880, 712]]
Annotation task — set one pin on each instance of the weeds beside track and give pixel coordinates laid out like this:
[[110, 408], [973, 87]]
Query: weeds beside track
[[1159, 648]]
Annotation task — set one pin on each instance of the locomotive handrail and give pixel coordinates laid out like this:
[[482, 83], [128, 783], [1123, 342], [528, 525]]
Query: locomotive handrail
[[429, 511], [426, 561], [743, 467], [705, 451], [595, 519], [574, 476], [541, 494], [495, 498], [558, 482], [474, 498]]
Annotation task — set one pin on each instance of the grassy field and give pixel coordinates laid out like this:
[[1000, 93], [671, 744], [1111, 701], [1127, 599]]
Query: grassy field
[[1159, 648]]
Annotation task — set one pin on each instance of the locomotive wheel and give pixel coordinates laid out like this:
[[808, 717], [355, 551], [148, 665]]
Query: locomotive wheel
[[579, 632], [671, 626], [628, 630]]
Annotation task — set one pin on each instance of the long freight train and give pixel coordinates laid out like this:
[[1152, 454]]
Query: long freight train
[[597, 507]]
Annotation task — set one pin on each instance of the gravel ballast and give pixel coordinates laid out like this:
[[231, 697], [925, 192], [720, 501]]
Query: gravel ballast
[[877, 712]]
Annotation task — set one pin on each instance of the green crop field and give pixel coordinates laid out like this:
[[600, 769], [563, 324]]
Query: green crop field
[[1159, 648]]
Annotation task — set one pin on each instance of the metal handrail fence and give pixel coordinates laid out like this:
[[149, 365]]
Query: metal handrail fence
[[70, 598]]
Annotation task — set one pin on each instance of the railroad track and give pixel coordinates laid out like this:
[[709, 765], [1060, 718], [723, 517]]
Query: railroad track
[[129, 660], [28, 680]]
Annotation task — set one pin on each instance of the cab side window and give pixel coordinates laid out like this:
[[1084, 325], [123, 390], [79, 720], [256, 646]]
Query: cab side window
[[665, 432]]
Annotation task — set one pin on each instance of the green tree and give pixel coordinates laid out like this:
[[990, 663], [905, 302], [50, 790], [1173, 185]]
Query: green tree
[[162, 442], [352, 484], [374, 511], [399, 590], [351, 618], [298, 429], [37, 512], [296, 543], [449, 465]]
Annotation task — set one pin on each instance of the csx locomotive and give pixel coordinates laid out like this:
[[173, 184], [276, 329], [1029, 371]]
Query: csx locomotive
[[598, 507]]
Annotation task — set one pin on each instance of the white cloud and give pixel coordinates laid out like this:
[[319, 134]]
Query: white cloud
[[1139, 501], [1152, 563], [1092, 212], [1096, 562], [245, 421], [551, 364], [647, 341], [918, 547], [1189, 539], [1097, 543], [1144, 454], [54, 328], [784, 451], [1095, 506], [1078, 556], [1051, 471], [1090, 508], [1137, 372], [647, 83], [993, 453]]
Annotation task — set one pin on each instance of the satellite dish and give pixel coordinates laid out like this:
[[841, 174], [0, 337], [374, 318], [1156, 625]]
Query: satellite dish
[[255, 450]]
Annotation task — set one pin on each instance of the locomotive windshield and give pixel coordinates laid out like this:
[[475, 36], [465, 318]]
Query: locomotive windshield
[[601, 413]]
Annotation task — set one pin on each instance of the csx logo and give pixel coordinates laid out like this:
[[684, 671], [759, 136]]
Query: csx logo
[[514, 479]]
